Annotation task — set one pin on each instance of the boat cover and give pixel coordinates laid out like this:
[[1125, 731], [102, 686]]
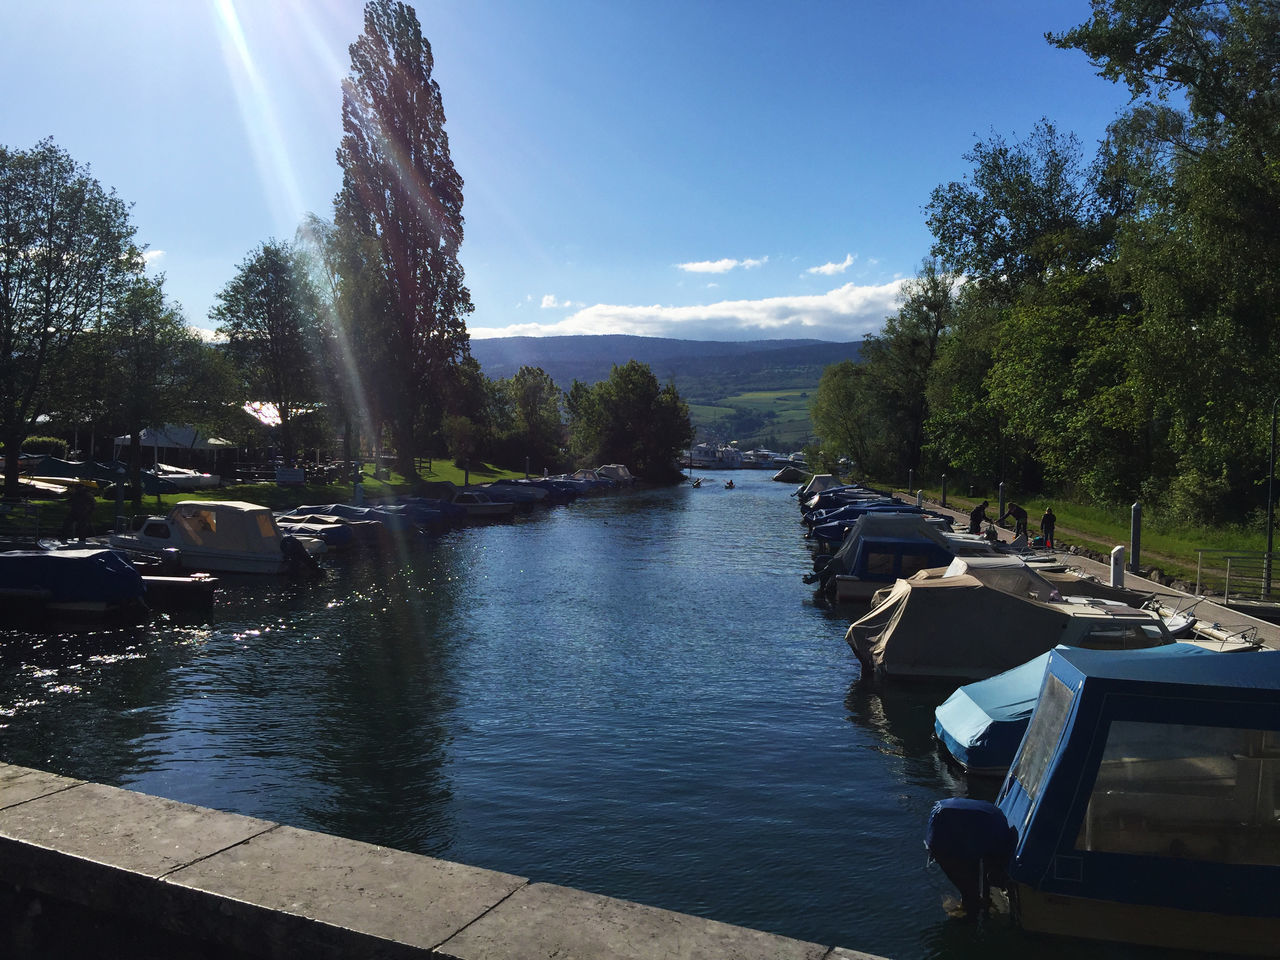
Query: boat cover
[[959, 626], [982, 723], [91, 575], [1152, 780]]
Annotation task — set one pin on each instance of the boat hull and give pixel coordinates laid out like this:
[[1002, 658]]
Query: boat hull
[[1166, 927]]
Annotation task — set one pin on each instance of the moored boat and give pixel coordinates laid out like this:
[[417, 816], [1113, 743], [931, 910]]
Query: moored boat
[[220, 536], [1143, 805]]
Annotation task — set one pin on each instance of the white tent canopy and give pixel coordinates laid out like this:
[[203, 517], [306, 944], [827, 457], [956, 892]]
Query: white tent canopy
[[175, 437]]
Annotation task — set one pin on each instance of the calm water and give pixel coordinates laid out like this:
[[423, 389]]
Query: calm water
[[634, 695]]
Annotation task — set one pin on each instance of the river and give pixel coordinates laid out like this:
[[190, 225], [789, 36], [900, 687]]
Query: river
[[634, 695]]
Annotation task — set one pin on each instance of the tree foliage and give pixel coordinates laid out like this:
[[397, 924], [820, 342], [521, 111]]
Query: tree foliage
[[1118, 320], [629, 419], [400, 211], [269, 314], [66, 251]]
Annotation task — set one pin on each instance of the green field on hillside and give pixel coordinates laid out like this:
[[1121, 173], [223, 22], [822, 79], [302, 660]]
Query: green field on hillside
[[773, 417]]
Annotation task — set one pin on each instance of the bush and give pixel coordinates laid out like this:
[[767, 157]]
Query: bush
[[51, 446]]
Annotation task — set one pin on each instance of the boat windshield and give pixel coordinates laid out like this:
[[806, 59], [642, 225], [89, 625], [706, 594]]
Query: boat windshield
[[1041, 740]]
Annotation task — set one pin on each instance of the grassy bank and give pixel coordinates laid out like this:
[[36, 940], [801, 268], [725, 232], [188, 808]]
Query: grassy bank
[[1171, 547]]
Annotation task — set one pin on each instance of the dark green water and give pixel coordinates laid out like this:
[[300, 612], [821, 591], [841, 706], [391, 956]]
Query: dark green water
[[634, 695]]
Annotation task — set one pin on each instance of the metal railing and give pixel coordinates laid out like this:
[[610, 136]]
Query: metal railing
[[1232, 573]]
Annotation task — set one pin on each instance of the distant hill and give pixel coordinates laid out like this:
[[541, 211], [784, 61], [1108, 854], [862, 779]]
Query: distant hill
[[699, 368], [754, 391]]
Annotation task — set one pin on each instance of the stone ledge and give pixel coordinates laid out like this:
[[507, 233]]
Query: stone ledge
[[266, 890]]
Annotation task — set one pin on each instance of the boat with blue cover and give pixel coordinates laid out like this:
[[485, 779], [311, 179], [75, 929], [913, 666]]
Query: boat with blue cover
[[78, 583], [1143, 805], [981, 724]]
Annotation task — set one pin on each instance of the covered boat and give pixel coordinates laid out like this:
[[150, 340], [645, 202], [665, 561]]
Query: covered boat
[[227, 536], [960, 626], [1143, 805], [89, 583], [883, 547]]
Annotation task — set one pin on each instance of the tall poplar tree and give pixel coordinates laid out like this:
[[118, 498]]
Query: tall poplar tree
[[401, 201]]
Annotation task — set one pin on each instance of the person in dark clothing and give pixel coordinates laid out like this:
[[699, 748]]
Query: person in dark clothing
[[80, 515], [977, 517], [1019, 519], [1047, 523]]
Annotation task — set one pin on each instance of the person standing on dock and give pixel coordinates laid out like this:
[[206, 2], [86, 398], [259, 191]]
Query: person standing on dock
[[80, 515], [1019, 519], [977, 517], [1046, 526]]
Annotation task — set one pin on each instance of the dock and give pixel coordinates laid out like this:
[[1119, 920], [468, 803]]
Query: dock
[[149, 877]]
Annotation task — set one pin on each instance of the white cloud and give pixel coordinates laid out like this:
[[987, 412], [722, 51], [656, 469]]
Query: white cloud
[[151, 256], [549, 302], [206, 334], [846, 313], [720, 266], [831, 269]]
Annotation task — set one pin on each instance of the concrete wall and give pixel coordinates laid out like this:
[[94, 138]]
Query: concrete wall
[[91, 870]]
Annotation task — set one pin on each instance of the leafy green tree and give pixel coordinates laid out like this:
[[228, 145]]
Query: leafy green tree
[[400, 208], [1200, 150], [842, 412], [162, 371], [629, 419], [66, 247], [269, 315], [536, 424]]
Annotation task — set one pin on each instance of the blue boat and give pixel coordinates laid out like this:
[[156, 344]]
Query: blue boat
[[1143, 805], [79, 584], [981, 724]]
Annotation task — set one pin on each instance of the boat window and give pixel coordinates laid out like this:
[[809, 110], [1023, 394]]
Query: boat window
[[913, 563], [879, 563], [1186, 792], [158, 530], [1131, 635], [264, 526], [1041, 739]]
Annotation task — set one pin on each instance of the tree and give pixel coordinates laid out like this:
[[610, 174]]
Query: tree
[[66, 246], [536, 421], [401, 208], [162, 371], [269, 315], [629, 419], [1201, 257]]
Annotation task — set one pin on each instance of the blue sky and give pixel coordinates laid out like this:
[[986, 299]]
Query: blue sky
[[704, 170]]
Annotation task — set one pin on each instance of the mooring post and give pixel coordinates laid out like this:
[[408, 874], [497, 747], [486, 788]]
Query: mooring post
[[944, 490], [1117, 566], [1001, 507], [1135, 534], [911, 478], [920, 498]]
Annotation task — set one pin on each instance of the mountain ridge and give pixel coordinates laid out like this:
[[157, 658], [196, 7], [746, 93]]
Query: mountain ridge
[[719, 364]]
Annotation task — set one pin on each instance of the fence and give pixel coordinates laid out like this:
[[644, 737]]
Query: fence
[[1233, 574]]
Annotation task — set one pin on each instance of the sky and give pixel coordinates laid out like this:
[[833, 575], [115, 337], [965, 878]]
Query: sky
[[697, 169]]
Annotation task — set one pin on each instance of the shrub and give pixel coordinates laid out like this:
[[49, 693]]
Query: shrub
[[51, 446]]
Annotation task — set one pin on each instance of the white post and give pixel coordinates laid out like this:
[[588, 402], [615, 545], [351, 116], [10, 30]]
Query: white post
[[1117, 566]]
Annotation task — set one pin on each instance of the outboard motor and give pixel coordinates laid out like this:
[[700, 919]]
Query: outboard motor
[[296, 554], [973, 843]]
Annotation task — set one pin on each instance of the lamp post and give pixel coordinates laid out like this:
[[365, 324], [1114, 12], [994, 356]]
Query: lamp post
[[1271, 504]]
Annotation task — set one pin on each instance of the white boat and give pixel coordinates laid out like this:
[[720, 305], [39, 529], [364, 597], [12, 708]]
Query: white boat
[[185, 479], [220, 536]]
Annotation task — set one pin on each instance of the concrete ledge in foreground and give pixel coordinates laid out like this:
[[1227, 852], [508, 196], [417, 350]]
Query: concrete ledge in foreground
[[264, 890]]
